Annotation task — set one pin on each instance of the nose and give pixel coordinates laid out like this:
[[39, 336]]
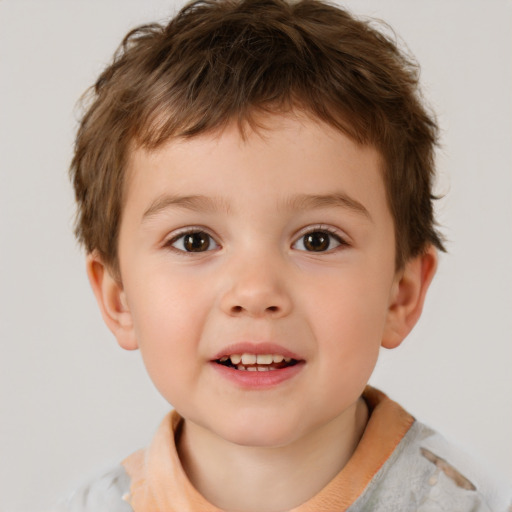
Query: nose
[[256, 289]]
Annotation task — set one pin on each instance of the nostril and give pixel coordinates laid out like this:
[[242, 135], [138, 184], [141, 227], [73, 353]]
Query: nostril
[[240, 309]]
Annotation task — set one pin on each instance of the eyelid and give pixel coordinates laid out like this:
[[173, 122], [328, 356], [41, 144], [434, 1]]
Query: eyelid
[[175, 235], [339, 235]]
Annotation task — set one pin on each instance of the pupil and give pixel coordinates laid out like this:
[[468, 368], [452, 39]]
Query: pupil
[[317, 241], [197, 242]]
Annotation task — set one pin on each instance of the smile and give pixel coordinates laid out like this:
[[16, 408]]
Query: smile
[[256, 362]]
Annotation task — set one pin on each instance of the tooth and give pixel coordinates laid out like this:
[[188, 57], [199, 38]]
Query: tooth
[[236, 358], [263, 359], [263, 368], [248, 358], [252, 369], [277, 358], [240, 367], [287, 359], [224, 359]]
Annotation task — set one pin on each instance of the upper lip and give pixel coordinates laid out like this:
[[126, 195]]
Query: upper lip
[[255, 348]]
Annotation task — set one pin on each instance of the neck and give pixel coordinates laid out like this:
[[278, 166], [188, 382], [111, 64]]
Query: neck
[[251, 479]]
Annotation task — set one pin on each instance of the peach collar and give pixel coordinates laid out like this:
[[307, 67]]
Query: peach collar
[[159, 483]]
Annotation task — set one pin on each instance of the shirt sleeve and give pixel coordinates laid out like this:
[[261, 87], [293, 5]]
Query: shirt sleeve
[[104, 494]]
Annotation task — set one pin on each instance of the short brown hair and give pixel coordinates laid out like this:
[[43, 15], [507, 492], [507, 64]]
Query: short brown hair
[[224, 60]]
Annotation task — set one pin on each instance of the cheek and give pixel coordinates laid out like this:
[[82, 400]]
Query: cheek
[[163, 302], [348, 320], [168, 315], [353, 306], [349, 343]]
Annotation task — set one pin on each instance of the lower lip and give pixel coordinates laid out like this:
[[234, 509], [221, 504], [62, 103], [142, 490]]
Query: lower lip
[[258, 380]]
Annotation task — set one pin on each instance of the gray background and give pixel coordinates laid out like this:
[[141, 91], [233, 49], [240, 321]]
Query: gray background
[[73, 403]]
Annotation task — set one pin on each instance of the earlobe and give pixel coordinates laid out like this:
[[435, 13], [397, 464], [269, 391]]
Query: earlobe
[[112, 302], [408, 297]]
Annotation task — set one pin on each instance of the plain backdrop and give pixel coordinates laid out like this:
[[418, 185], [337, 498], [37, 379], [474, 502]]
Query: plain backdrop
[[73, 403]]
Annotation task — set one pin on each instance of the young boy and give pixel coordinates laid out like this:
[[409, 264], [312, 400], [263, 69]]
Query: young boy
[[254, 189]]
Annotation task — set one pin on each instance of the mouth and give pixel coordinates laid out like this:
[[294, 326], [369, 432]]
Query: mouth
[[256, 362]]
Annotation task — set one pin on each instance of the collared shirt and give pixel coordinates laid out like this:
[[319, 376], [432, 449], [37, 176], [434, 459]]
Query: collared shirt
[[398, 465]]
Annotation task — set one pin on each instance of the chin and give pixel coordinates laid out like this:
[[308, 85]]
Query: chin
[[258, 433]]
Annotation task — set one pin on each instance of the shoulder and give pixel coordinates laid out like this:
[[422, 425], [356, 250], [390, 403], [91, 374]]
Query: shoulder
[[426, 473], [102, 494]]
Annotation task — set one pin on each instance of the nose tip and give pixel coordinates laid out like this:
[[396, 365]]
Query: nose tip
[[256, 294]]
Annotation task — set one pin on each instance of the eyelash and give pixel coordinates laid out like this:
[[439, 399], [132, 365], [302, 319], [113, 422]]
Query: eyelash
[[332, 234], [190, 232], [329, 231]]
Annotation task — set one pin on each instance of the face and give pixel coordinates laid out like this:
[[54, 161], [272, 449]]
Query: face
[[257, 275]]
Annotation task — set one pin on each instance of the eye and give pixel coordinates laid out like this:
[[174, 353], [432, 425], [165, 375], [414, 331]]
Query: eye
[[193, 241], [318, 240]]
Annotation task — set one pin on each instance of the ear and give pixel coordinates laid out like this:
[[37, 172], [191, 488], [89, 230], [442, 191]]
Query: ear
[[408, 296], [111, 299]]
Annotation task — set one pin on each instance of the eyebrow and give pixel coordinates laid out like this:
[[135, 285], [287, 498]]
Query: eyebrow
[[206, 204], [315, 201], [197, 203]]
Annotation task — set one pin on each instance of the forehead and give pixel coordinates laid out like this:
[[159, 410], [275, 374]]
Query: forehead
[[290, 155]]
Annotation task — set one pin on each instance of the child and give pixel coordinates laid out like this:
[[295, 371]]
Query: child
[[254, 189]]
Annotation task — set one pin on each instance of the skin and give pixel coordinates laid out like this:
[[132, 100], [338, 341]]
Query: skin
[[259, 282]]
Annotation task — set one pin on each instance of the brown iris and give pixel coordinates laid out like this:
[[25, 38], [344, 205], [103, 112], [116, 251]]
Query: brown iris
[[317, 241], [196, 242]]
